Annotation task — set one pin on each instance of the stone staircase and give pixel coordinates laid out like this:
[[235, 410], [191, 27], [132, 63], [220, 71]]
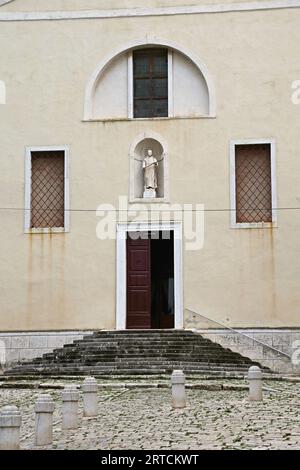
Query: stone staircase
[[138, 352]]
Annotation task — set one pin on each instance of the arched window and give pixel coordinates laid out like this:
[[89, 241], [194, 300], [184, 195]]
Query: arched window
[[149, 81]]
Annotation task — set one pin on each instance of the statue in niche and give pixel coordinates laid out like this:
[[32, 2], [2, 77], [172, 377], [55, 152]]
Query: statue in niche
[[150, 165]]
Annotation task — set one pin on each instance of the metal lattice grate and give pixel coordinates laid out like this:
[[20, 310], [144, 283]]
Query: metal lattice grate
[[47, 189], [253, 183]]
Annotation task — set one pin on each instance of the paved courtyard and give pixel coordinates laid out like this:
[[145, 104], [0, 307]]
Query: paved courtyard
[[143, 419]]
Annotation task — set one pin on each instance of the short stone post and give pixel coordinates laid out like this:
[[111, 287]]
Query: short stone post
[[255, 383], [44, 408], [90, 398], [10, 423], [178, 389], [70, 397]]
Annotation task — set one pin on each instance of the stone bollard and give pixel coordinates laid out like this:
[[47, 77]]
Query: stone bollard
[[70, 397], [10, 423], [178, 389], [90, 398], [44, 408], [255, 383]]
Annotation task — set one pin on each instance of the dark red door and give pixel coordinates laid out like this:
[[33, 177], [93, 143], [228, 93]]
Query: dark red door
[[138, 284]]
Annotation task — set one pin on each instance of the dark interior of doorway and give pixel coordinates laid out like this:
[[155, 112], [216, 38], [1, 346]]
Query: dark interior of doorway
[[162, 280]]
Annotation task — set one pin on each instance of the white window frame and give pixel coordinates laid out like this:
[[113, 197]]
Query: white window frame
[[130, 86], [234, 223], [27, 212]]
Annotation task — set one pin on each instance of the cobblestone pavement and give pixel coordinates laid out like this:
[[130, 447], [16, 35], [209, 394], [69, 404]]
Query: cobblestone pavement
[[144, 419]]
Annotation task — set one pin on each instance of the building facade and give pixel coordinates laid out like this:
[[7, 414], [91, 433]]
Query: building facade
[[212, 90]]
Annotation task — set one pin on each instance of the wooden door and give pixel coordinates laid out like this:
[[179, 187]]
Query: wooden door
[[138, 284]]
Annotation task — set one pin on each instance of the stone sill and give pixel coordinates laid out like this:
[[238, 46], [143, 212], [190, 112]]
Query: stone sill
[[46, 230], [149, 200], [173, 118], [261, 225]]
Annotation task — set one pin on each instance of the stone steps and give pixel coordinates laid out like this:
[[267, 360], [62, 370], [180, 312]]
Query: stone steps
[[128, 372], [134, 359], [138, 352], [199, 353], [120, 364], [114, 366]]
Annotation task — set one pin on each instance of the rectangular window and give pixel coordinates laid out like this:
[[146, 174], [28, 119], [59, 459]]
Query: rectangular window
[[252, 182], [150, 83], [46, 190]]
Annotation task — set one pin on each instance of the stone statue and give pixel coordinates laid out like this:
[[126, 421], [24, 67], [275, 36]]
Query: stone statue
[[150, 165]]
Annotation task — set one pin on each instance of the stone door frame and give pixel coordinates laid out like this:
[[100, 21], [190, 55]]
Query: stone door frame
[[121, 288]]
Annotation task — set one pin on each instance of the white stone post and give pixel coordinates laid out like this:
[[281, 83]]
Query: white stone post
[[44, 408], [70, 397], [255, 383], [90, 398], [10, 423], [178, 389]]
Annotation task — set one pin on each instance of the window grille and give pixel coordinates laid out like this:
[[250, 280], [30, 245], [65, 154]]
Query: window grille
[[47, 189], [253, 183]]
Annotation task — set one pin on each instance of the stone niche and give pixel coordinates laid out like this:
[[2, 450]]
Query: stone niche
[[137, 154]]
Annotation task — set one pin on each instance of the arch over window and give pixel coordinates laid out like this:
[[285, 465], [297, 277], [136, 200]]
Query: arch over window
[[186, 88]]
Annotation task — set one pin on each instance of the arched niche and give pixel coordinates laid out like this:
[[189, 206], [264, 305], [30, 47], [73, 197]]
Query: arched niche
[[137, 153], [109, 91]]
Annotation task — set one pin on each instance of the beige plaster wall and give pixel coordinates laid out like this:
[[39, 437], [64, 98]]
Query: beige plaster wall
[[67, 281]]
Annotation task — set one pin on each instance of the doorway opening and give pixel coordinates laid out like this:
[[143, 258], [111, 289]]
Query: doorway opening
[[162, 280], [150, 280]]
